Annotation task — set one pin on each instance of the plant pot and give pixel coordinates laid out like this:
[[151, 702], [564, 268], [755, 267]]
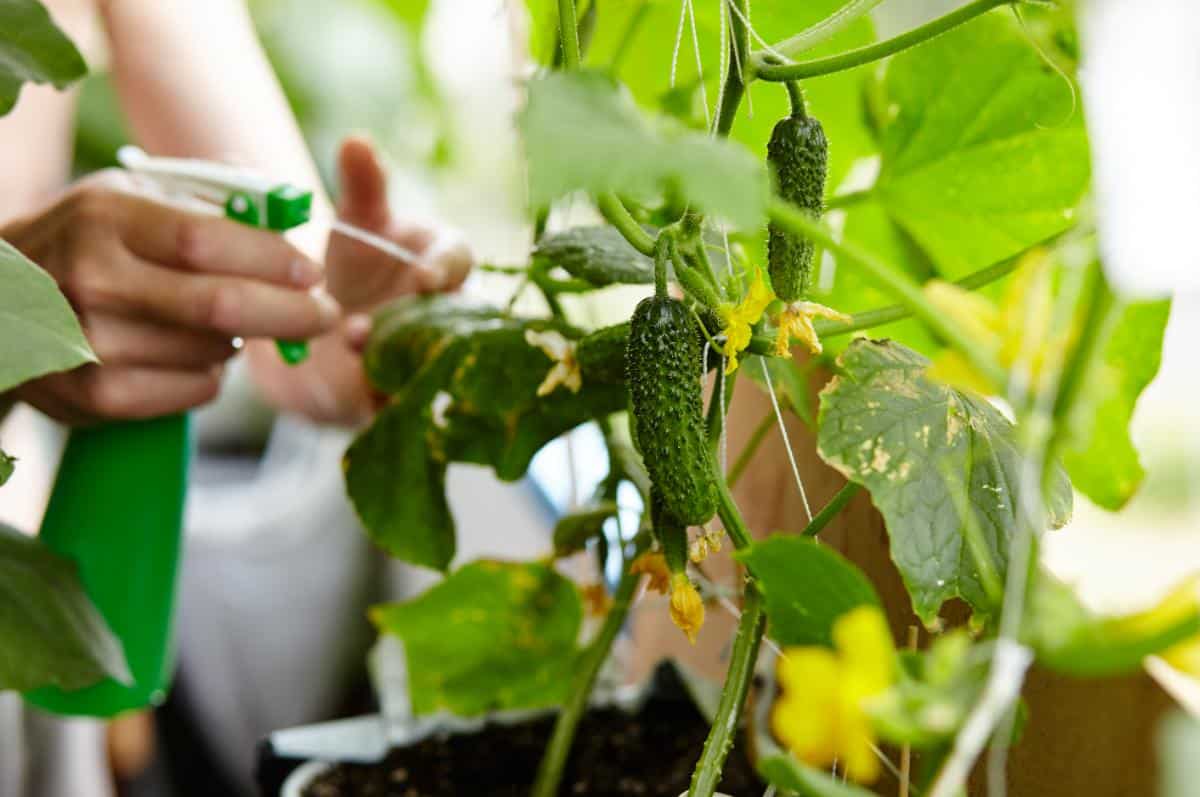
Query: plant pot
[[645, 745]]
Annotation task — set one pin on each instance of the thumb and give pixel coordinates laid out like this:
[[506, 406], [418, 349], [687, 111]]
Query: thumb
[[364, 185]]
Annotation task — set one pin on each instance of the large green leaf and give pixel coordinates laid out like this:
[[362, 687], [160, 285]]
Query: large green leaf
[[39, 333], [1070, 638], [33, 50], [583, 133], [939, 463], [1100, 456], [493, 635], [465, 384], [786, 773], [53, 635], [807, 586], [982, 154]]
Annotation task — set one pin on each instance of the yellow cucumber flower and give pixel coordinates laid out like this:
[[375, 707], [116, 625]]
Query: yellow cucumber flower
[[653, 564], [566, 367], [739, 319], [796, 321], [687, 610], [821, 716]]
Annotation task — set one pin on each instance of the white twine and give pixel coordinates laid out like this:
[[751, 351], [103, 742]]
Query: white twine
[[787, 444]]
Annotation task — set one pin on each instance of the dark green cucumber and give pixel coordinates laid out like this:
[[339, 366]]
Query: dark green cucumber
[[662, 370], [798, 154], [601, 355], [670, 532]]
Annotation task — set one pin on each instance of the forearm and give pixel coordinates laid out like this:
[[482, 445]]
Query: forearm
[[193, 81]]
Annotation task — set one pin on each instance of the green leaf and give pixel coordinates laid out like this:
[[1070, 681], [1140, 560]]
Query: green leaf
[[1100, 455], [39, 333], [573, 530], [7, 464], [583, 133], [411, 12], [492, 636], [788, 774], [53, 635], [983, 154], [915, 444], [33, 50], [807, 586], [600, 255], [464, 381], [1072, 639]]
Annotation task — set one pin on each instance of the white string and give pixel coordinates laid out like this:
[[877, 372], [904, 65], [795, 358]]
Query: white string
[[724, 424], [787, 444], [745, 18], [678, 39], [691, 8], [723, 67]]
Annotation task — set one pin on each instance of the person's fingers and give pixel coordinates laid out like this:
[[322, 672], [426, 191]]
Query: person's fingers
[[93, 393], [453, 259], [363, 182], [196, 242], [356, 330], [232, 306], [127, 341]]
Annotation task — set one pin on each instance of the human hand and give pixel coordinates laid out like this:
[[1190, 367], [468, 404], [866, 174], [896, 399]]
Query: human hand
[[161, 294]]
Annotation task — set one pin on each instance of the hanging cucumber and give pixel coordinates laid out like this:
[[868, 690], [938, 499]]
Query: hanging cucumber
[[798, 154], [662, 368]]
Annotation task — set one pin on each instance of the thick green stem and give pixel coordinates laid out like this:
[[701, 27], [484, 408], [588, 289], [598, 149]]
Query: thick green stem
[[550, 771], [874, 52], [615, 213], [798, 222], [733, 694], [568, 32], [731, 516], [796, 99], [831, 510], [747, 453], [740, 68]]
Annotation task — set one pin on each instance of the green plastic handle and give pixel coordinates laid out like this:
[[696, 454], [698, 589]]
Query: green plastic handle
[[117, 511]]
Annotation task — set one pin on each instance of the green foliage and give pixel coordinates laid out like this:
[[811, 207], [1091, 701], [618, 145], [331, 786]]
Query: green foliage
[[1179, 754], [39, 333], [492, 636], [1072, 639], [573, 530], [807, 586], [582, 133], [7, 465], [918, 446], [600, 255], [799, 156], [663, 373], [53, 635], [464, 383], [1099, 455], [33, 50], [786, 773]]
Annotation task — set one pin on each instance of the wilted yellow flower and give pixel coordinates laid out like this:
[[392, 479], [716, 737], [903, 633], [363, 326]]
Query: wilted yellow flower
[[653, 564], [562, 351], [738, 320], [596, 599], [687, 610], [821, 716], [796, 321]]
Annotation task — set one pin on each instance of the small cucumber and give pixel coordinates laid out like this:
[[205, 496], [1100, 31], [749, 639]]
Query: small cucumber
[[662, 371], [798, 153], [599, 255], [670, 532]]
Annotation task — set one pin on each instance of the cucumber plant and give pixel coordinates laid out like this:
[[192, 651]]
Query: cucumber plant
[[968, 186]]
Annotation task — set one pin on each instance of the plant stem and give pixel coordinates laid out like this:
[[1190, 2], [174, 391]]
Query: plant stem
[[550, 771], [831, 510], [796, 99], [739, 71], [728, 511], [747, 453], [874, 52], [733, 694], [615, 213], [801, 223], [568, 32]]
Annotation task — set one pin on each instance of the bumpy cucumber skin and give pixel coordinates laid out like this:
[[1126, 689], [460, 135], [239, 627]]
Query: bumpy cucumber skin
[[662, 370], [601, 355], [799, 155], [670, 533]]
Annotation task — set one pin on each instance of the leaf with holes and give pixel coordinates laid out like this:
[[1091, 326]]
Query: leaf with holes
[[492, 636], [941, 465]]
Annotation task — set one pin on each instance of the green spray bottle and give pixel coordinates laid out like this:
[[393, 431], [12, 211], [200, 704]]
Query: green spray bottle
[[118, 500]]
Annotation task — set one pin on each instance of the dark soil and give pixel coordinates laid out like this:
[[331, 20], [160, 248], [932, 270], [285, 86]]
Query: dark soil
[[615, 755]]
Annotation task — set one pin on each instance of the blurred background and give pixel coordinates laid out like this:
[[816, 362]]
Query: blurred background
[[434, 83]]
